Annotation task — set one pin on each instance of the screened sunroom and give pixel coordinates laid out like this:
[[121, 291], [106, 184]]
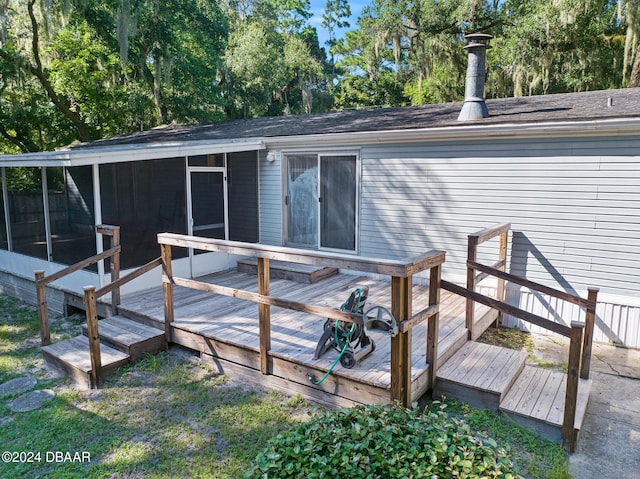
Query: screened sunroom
[[51, 203]]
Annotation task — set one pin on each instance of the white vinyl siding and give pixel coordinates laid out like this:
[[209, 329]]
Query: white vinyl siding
[[575, 219], [270, 200], [574, 207]]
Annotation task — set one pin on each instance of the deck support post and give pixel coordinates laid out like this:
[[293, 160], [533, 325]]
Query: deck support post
[[502, 259], [569, 437], [115, 269], [472, 255], [433, 324], [43, 308], [113, 232], [167, 289], [401, 343], [94, 335], [264, 315], [590, 319]]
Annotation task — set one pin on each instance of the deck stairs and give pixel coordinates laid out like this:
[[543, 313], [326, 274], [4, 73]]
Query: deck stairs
[[122, 340], [300, 273], [496, 378]]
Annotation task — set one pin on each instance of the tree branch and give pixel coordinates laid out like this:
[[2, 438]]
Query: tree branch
[[62, 104], [26, 145]]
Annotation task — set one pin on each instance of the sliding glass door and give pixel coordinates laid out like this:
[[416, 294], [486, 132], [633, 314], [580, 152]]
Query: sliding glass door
[[302, 200], [321, 201]]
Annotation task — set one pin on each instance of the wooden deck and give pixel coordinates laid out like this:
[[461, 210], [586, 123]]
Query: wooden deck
[[267, 331], [226, 328]]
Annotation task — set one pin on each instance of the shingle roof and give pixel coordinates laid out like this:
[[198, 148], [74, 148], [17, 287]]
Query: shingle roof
[[604, 104]]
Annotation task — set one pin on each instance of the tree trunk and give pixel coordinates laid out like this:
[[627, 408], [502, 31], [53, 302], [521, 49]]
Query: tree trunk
[[634, 78]]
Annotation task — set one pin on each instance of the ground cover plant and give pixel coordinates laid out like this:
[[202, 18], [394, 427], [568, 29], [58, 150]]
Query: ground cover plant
[[171, 415], [383, 442]]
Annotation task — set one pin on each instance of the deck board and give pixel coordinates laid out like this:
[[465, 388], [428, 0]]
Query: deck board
[[226, 330], [294, 335], [540, 394], [496, 369]]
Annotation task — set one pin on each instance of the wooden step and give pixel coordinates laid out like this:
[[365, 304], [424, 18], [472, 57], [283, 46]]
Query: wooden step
[[449, 342], [130, 337], [300, 273], [537, 400], [71, 357], [479, 374], [141, 318]]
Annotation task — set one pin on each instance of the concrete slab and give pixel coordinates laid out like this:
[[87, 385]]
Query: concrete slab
[[17, 386], [32, 400], [605, 358], [609, 444]]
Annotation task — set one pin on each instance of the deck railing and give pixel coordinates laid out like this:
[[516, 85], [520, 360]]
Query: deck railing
[[580, 334], [473, 279], [91, 294], [113, 253], [401, 273]]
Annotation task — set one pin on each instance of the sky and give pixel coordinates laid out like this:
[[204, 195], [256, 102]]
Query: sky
[[317, 7]]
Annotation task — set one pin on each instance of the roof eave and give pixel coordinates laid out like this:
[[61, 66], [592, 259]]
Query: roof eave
[[149, 151], [130, 152], [608, 127]]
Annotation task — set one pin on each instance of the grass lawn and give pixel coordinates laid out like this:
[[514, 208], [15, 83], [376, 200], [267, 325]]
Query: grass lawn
[[171, 416]]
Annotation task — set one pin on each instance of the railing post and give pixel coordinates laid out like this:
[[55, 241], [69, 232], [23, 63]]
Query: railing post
[[94, 336], [43, 309], [115, 268], [401, 343], [264, 315], [167, 289], [433, 325], [501, 291], [571, 398], [589, 324], [472, 255]]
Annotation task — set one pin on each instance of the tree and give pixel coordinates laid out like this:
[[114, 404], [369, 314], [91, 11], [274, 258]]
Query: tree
[[335, 15], [563, 45], [538, 47], [27, 59], [266, 69], [93, 69], [629, 12], [418, 43]]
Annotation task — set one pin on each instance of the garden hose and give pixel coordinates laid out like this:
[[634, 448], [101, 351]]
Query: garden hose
[[347, 337]]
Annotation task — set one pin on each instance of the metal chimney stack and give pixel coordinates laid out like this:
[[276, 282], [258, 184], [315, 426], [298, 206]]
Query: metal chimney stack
[[475, 107]]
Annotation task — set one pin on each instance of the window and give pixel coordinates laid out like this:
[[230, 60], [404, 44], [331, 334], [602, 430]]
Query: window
[[321, 201]]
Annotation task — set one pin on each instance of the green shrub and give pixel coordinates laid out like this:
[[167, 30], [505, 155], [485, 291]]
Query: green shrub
[[381, 442]]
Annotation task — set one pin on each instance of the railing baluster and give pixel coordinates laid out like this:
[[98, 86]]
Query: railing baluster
[[433, 324], [589, 324], [43, 308], [264, 315], [401, 343], [502, 258], [115, 269], [472, 255], [571, 397], [94, 335], [167, 287]]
